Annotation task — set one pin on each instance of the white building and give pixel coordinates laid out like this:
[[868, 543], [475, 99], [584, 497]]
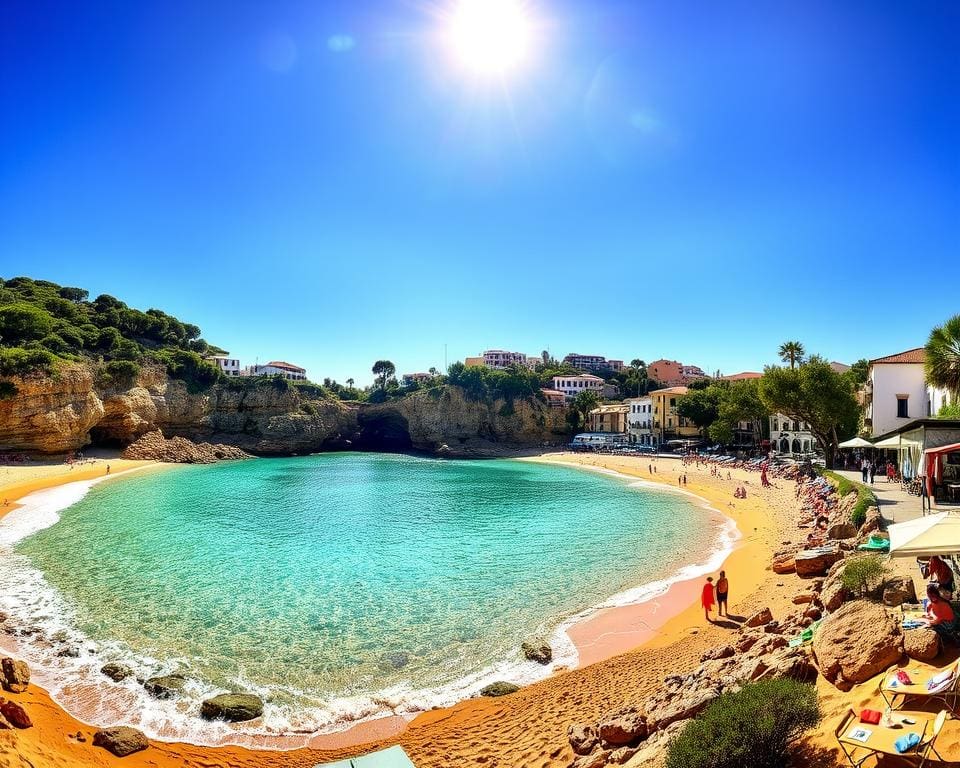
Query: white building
[[571, 386], [640, 420], [289, 371], [500, 358], [897, 392], [416, 378], [789, 437], [592, 362], [229, 366]]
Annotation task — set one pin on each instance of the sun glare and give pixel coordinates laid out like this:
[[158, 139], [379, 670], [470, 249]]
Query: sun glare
[[490, 37]]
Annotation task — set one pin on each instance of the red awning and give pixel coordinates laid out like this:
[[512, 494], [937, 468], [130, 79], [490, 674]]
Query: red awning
[[934, 460]]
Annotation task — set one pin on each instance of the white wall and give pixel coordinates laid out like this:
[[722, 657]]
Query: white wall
[[890, 380]]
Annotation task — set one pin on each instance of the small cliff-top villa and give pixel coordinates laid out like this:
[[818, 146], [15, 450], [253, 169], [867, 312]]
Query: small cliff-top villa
[[571, 386], [288, 371], [554, 398], [229, 366]]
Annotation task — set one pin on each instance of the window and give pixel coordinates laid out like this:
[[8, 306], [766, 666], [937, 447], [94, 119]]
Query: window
[[901, 407], [776, 425], [673, 401]]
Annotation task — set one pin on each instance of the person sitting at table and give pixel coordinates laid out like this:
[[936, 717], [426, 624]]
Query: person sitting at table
[[941, 575], [939, 615]]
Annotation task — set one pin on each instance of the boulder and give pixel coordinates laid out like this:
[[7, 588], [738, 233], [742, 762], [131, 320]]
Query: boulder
[[833, 594], [899, 590], [760, 618], [872, 523], [538, 651], [783, 564], [622, 755], [922, 644], [15, 714], [499, 688], [596, 760], [625, 726], [233, 707], [813, 613], [858, 641], [803, 597], [816, 562], [720, 652], [165, 686], [667, 707], [16, 675], [583, 738], [841, 531], [794, 663], [5, 725], [116, 672], [121, 740]]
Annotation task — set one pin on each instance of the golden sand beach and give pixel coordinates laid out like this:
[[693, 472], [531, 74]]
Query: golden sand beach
[[625, 653]]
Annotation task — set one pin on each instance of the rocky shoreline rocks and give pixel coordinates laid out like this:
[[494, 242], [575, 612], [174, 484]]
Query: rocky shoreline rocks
[[153, 446]]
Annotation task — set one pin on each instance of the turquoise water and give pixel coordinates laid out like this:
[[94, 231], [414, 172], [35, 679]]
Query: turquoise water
[[343, 583]]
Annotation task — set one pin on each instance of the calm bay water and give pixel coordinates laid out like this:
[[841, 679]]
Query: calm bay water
[[343, 585]]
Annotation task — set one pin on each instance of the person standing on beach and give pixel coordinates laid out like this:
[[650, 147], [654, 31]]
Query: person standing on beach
[[706, 598], [722, 587], [108, 469]]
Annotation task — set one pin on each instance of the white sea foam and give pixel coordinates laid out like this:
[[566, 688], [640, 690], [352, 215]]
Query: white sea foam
[[46, 627]]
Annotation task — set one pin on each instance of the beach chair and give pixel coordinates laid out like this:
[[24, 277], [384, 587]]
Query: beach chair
[[939, 685], [860, 741], [394, 757]]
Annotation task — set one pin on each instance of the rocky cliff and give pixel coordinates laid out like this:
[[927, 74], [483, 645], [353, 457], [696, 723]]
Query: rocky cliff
[[76, 408]]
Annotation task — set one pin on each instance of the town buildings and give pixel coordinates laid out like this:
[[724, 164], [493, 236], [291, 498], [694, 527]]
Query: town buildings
[[640, 419], [609, 418], [667, 423], [571, 386], [554, 397], [592, 362], [897, 392], [789, 437], [500, 358], [672, 373]]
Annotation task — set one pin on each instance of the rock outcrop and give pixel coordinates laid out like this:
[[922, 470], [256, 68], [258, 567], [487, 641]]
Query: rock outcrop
[[116, 672], [499, 688], [121, 740], [921, 644], [233, 707], [15, 714], [858, 641], [537, 650], [165, 686], [154, 446], [898, 590], [15, 675]]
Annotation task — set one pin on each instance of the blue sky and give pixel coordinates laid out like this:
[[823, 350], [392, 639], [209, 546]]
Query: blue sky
[[319, 182]]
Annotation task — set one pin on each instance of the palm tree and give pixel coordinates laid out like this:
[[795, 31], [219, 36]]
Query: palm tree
[[640, 372], [350, 383], [942, 357], [791, 352]]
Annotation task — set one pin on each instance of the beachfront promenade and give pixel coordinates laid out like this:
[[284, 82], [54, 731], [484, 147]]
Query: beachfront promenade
[[896, 505]]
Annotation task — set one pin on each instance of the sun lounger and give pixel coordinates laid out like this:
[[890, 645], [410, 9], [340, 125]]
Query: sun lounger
[[861, 741], [394, 757], [939, 685], [875, 544]]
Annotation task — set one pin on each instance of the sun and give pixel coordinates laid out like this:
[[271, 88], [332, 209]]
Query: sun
[[490, 37]]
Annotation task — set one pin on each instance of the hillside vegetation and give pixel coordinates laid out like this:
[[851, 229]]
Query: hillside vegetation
[[42, 324]]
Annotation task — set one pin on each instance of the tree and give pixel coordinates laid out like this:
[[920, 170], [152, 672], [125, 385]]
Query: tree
[[942, 357], [583, 403], [816, 394], [23, 322], [433, 371], [792, 352], [350, 383], [701, 406], [859, 373], [383, 370]]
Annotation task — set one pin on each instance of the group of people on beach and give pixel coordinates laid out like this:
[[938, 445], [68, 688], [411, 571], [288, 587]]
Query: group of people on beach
[[715, 595]]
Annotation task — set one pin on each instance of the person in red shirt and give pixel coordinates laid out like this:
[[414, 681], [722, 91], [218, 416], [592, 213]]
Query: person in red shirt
[[706, 598], [939, 615]]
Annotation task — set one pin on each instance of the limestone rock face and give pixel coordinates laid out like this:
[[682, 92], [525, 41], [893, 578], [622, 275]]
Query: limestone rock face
[[583, 738], [15, 675], [121, 740], [233, 707], [815, 562], [858, 641], [624, 726], [760, 618], [922, 644], [51, 414]]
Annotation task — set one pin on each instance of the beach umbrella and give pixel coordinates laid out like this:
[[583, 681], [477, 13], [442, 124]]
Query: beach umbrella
[[856, 442], [937, 534], [890, 442]]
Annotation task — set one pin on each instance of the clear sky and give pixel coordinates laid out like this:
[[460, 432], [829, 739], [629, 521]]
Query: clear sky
[[326, 183]]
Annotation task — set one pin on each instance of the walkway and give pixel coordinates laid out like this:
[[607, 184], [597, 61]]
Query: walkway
[[896, 505]]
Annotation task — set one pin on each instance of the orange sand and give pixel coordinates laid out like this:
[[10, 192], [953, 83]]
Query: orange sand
[[529, 727]]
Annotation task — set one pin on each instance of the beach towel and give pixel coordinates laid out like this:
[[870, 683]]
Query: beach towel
[[903, 677], [941, 682], [871, 716], [906, 742]]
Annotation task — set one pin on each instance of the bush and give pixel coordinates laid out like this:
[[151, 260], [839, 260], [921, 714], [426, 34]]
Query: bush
[[24, 322], [118, 373], [16, 361], [752, 728], [862, 574], [858, 515]]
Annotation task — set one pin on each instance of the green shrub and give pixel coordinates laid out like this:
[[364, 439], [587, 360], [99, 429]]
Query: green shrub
[[118, 373], [863, 573], [753, 728], [858, 516], [16, 361], [24, 322]]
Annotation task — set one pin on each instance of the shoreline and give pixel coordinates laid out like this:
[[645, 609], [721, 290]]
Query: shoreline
[[599, 637]]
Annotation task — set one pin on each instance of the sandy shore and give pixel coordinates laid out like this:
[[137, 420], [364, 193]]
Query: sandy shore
[[625, 653]]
